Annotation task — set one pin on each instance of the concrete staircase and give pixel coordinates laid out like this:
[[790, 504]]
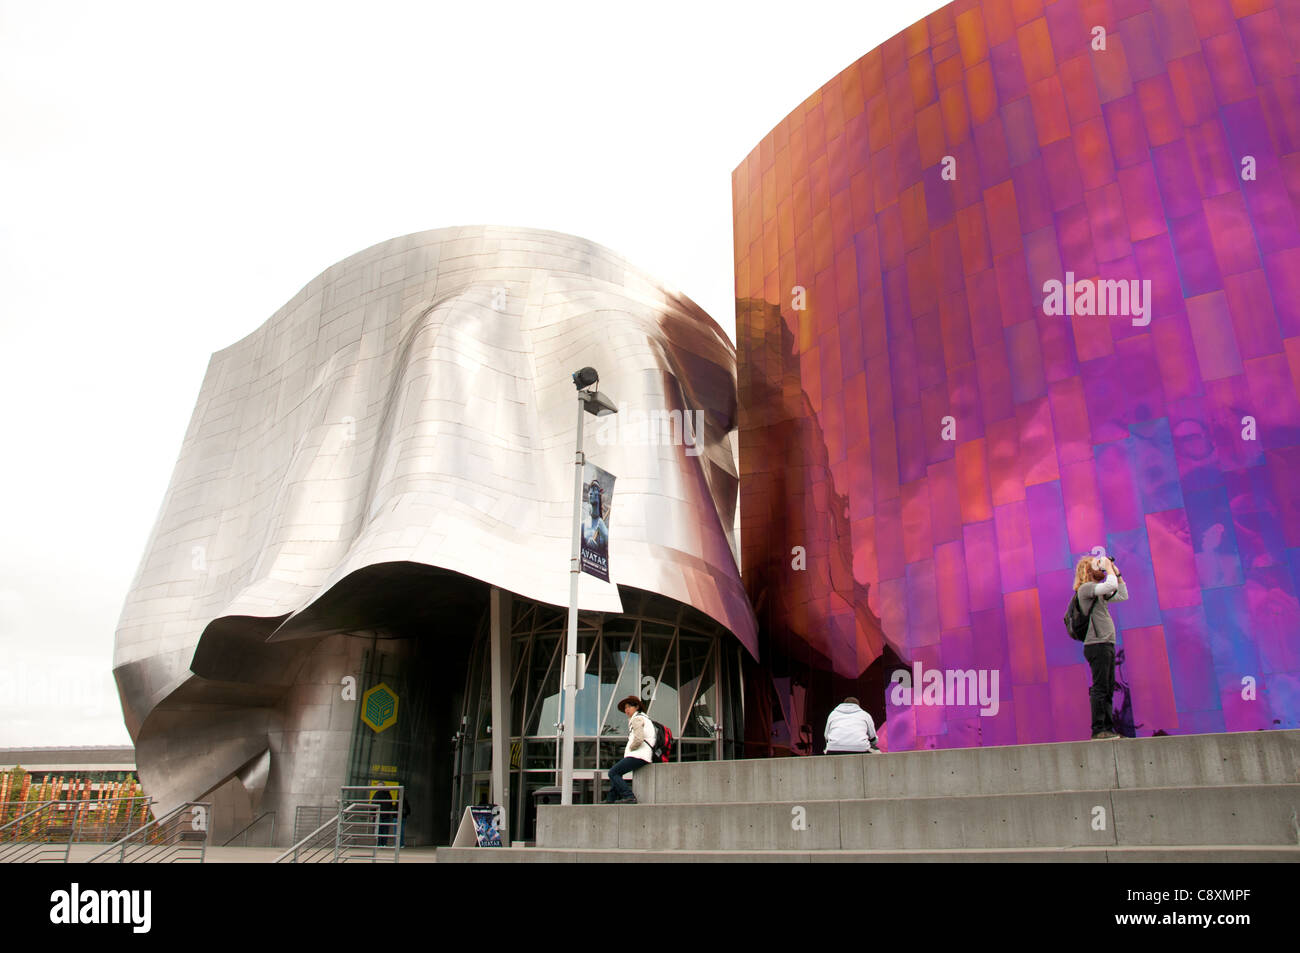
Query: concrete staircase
[[1220, 797]]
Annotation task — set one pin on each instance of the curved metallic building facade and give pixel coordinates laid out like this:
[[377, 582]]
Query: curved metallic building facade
[[928, 443], [393, 442]]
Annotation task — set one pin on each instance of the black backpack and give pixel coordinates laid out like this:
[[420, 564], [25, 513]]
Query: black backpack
[[1076, 620]]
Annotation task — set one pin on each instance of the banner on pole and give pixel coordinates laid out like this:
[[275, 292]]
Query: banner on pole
[[597, 498]]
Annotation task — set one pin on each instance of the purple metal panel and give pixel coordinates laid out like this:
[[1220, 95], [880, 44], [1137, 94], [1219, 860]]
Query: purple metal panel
[[989, 439]]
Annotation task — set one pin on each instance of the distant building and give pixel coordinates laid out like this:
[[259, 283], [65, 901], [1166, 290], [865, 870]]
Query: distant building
[[99, 763], [96, 785], [73, 772]]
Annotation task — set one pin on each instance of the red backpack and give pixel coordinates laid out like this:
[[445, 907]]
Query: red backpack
[[662, 745]]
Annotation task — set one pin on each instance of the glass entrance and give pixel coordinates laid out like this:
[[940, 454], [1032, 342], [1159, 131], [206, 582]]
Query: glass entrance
[[681, 663]]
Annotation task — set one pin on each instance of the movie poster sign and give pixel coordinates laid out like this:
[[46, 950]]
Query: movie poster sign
[[487, 825], [597, 498]]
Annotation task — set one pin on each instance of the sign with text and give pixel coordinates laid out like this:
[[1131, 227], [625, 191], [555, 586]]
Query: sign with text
[[597, 498], [487, 825]]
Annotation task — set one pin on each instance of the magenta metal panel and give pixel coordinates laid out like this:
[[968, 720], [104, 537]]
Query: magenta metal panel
[[944, 445]]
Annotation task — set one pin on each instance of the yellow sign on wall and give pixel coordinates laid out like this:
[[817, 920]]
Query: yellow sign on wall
[[379, 707]]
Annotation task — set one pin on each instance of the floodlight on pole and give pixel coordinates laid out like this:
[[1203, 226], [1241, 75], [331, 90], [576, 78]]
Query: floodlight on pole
[[591, 401]]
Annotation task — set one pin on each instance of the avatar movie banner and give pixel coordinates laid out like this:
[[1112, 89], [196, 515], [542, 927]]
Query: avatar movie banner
[[597, 498]]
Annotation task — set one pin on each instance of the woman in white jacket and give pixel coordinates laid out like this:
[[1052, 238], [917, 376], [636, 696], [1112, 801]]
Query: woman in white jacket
[[850, 730], [638, 753]]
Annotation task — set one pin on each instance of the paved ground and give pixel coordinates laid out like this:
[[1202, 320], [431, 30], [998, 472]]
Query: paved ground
[[255, 855]]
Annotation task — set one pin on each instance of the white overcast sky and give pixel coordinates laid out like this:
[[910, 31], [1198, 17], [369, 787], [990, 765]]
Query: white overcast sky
[[172, 173]]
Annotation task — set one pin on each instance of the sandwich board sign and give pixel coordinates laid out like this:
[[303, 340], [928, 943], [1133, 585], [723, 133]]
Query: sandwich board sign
[[480, 827]]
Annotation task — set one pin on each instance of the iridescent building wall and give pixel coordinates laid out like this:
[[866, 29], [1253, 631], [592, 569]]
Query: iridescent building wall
[[1171, 156]]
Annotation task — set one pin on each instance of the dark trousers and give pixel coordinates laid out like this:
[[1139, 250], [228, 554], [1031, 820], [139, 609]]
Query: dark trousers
[[1101, 659], [618, 788]]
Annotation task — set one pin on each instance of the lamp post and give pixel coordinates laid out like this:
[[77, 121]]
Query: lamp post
[[597, 404]]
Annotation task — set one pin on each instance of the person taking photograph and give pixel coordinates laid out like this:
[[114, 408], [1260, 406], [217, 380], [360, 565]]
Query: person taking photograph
[[1098, 582]]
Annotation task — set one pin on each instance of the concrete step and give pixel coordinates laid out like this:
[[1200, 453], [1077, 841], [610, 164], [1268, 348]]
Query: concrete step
[[1256, 757], [1072, 855], [1242, 815]]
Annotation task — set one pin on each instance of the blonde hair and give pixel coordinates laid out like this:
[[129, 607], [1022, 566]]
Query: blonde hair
[[1084, 570]]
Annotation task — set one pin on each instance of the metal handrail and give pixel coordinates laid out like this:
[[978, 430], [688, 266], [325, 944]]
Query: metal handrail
[[378, 829], [88, 825], [291, 855], [359, 838], [305, 814], [251, 824], [39, 806], [36, 836], [22, 849], [357, 831], [164, 839]]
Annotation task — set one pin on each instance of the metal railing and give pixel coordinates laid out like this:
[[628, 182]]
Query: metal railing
[[308, 817], [359, 833], [316, 848], [25, 841], [250, 825], [370, 826], [179, 836], [365, 829], [46, 831]]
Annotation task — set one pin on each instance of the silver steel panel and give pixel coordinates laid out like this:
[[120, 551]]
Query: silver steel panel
[[413, 404]]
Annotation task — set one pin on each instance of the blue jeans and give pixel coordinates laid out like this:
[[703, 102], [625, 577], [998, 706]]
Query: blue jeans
[[618, 787]]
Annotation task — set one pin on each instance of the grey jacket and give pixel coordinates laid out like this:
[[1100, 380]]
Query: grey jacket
[[1101, 627]]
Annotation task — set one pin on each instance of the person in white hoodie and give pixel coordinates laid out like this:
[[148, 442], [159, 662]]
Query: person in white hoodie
[[850, 730], [637, 754]]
